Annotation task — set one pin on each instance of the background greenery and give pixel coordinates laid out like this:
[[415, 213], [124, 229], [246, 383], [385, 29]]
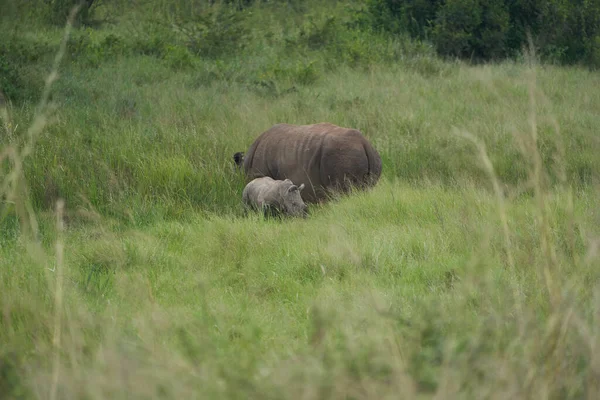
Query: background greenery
[[564, 31], [470, 271]]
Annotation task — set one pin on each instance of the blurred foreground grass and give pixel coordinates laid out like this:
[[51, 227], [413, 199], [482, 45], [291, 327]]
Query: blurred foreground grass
[[398, 291]]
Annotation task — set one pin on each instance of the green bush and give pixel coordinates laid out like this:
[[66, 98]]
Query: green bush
[[471, 28], [213, 32], [16, 59], [178, 57], [569, 31], [412, 16], [91, 48], [11, 82], [152, 38], [565, 32], [59, 10], [329, 35]]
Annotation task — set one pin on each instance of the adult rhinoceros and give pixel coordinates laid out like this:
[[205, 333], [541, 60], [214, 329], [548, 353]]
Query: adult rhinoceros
[[324, 157]]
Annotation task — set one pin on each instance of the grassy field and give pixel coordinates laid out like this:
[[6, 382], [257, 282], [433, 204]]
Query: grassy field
[[470, 271]]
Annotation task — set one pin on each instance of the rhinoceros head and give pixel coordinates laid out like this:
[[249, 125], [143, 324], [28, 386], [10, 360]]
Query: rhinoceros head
[[292, 200]]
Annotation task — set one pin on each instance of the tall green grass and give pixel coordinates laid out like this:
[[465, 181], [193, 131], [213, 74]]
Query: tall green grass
[[119, 145], [470, 271], [401, 290]]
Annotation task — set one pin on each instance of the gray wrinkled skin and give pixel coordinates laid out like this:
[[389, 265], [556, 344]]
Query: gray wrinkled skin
[[279, 196], [324, 157]]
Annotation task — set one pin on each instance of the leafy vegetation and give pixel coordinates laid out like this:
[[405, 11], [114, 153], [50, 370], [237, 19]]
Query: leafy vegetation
[[564, 31], [128, 270]]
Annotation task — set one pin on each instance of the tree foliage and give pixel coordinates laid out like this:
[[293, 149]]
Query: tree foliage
[[566, 31]]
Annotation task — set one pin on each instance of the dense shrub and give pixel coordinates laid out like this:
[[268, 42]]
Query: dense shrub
[[567, 32], [414, 16], [331, 35], [17, 56], [213, 32], [59, 10], [91, 48], [11, 83], [570, 31], [471, 28]]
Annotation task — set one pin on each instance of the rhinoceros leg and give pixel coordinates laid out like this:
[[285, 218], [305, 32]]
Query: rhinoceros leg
[[270, 211]]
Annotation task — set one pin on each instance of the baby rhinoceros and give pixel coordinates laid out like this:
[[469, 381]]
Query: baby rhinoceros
[[275, 196]]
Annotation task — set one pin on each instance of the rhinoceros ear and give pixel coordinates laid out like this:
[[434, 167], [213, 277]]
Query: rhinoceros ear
[[292, 188], [238, 158], [301, 186]]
